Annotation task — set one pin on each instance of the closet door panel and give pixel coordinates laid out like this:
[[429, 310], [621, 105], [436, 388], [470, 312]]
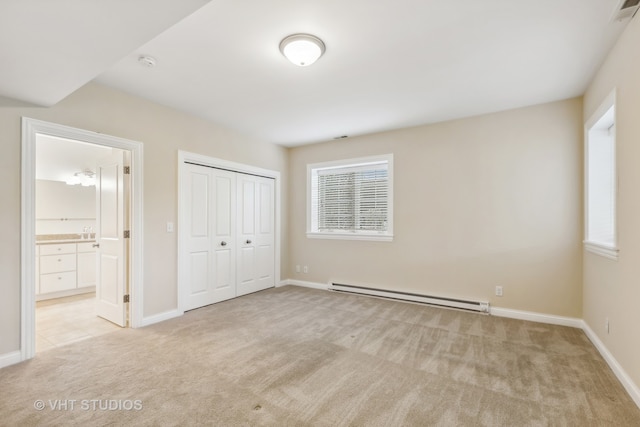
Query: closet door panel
[[210, 223], [256, 261], [199, 233], [265, 274], [224, 205], [197, 188], [224, 239], [248, 206], [199, 267], [246, 265], [246, 234]]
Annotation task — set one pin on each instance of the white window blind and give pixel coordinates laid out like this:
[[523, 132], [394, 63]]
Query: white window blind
[[601, 186], [350, 198]]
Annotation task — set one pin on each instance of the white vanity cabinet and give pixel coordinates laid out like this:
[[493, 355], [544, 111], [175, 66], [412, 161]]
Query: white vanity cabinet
[[64, 269], [57, 267]]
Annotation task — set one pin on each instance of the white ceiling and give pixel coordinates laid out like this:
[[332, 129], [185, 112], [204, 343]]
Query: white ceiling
[[389, 63], [50, 48], [57, 159]]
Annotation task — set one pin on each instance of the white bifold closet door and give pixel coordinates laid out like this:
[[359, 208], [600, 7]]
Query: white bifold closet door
[[256, 252], [230, 235]]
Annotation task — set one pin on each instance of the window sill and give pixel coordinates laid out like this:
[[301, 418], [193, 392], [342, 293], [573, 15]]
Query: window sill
[[351, 236], [605, 251]]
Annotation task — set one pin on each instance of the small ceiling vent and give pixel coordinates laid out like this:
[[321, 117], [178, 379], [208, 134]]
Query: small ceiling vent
[[626, 9]]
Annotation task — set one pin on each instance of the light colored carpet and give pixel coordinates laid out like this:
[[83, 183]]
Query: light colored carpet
[[301, 357]]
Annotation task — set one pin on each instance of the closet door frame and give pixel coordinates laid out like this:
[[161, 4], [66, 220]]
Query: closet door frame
[[185, 157]]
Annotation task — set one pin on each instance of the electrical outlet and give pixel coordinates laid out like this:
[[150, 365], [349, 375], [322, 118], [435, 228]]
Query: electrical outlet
[[498, 291], [169, 227], [297, 269], [305, 269]]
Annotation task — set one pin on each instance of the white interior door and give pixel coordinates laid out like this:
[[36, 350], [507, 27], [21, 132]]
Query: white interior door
[[112, 256], [256, 237], [209, 272]]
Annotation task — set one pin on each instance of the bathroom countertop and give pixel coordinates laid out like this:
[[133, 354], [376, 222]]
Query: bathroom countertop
[[49, 239]]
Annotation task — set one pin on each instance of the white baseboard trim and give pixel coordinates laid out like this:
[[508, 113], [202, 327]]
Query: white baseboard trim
[[160, 317], [617, 369], [302, 283], [12, 358], [537, 317], [495, 311]]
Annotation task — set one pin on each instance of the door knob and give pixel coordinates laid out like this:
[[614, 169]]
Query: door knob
[[248, 242], [96, 245], [223, 243]]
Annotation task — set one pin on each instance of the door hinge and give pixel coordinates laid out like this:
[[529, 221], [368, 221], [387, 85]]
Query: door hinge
[[125, 298], [126, 170], [127, 234]]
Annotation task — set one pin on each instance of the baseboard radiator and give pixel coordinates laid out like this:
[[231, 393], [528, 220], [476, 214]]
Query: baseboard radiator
[[479, 306]]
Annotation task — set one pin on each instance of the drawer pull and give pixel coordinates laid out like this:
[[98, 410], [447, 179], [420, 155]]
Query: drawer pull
[[59, 278], [59, 260]]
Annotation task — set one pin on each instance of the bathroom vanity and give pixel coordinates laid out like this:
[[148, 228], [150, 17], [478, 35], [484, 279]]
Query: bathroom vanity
[[65, 265]]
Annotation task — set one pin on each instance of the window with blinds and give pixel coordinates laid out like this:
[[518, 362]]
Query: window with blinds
[[600, 201], [351, 199]]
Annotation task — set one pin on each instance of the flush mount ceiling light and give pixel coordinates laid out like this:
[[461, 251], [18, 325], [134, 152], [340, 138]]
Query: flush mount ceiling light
[[302, 49]]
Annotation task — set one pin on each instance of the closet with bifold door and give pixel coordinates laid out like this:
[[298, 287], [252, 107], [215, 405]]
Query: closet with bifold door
[[228, 235]]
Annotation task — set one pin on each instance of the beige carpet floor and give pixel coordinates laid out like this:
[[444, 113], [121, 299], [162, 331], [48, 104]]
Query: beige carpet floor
[[301, 357]]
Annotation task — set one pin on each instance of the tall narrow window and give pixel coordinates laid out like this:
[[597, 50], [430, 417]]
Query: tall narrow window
[[351, 199], [601, 183]]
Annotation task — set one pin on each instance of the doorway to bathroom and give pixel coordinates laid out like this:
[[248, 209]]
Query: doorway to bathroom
[[81, 235], [67, 189]]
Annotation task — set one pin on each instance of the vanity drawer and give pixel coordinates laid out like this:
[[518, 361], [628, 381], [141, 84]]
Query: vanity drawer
[[57, 282], [57, 263], [86, 247], [63, 248]]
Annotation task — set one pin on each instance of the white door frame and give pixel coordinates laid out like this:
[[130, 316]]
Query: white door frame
[[185, 156], [31, 127]]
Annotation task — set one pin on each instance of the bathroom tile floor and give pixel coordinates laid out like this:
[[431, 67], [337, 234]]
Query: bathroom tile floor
[[66, 320]]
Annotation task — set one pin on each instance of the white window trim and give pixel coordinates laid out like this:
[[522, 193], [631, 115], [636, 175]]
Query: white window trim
[[386, 236], [597, 248], [605, 251]]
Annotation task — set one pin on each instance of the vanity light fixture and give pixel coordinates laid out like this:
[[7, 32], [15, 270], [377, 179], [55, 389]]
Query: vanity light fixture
[[86, 178], [302, 49]]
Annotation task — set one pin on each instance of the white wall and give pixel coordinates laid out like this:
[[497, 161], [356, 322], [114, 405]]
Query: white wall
[[64, 209], [163, 131], [612, 288]]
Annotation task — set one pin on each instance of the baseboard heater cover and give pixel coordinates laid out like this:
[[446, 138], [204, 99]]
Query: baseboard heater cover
[[479, 306]]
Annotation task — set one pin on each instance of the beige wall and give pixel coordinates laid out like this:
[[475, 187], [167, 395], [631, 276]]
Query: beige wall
[[612, 288], [163, 131], [479, 202]]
